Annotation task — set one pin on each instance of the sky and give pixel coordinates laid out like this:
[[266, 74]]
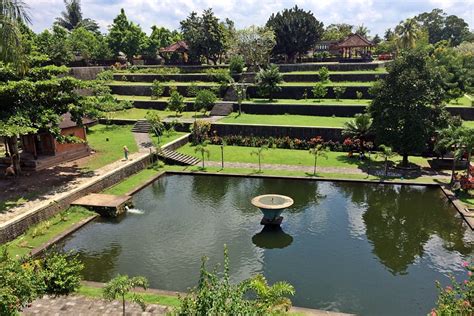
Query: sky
[[377, 15]]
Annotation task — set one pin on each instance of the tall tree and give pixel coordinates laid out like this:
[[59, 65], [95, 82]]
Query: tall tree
[[126, 37], [337, 32], [205, 35], [12, 14], [160, 37], [408, 104], [55, 44], [408, 33], [442, 27], [71, 17], [296, 32], [362, 30], [255, 44]]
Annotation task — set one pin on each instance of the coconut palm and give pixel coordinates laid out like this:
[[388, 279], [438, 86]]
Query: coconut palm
[[386, 152], [71, 18], [12, 13], [259, 153], [203, 150], [408, 33], [359, 127], [318, 151]]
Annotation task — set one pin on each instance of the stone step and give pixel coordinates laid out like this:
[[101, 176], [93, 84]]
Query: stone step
[[178, 158], [141, 126]]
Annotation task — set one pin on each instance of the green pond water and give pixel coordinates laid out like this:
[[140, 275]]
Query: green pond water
[[369, 249]]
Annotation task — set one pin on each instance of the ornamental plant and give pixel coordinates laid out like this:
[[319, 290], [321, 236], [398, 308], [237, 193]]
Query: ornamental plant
[[157, 89], [176, 102], [121, 286], [205, 100], [268, 81], [324, 75], [319, 91], [457, 298], [236, 64], [338, 92]]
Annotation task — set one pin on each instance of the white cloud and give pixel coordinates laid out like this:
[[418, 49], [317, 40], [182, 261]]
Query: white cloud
[[377, 15]]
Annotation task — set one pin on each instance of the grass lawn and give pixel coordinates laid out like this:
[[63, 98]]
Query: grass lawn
[[164, 83], [286, 119], [463, 101], [290, 157], [137, 114], [467, 198], [107, 142], [131, 182], [469, 124], [313, 101], [145, 98], [39, 234], [148, 298], [378, 70]]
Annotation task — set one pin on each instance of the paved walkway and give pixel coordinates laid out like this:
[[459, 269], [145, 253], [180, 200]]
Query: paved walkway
[[77, 305]]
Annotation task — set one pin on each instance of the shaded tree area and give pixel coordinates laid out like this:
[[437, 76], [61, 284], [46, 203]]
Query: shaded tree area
[[296, 32]]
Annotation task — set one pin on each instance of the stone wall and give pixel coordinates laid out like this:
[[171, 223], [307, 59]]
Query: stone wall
[[330, 66], [14, 228], [301, 109], [86, 73], [296, 92]]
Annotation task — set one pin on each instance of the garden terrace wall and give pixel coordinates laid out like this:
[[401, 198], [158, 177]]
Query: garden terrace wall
[[150, 77], [160, 105], [85, 73], [145, 90], [301, 109], [290, 77], [12, 229], [300, 132], [187, 68], [466, 113], [297, 92], [330, 66]]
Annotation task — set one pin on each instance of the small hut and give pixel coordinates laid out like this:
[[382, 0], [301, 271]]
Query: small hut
[[176, 52], [356, 47]]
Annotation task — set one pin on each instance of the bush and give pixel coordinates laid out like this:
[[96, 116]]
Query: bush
[[338, 92], [236, 64], [219, 75], [268, 80], [157, 89], [105, 75], [205, 100], [359, 95], [324, 75], [62, 273], [176, 102], [319, 90], [200, 131], [192, 90]]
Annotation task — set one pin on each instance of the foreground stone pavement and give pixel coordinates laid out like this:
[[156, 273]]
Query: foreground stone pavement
[[78, 305]]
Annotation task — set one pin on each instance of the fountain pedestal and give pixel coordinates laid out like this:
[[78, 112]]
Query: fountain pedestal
[[272, 205]]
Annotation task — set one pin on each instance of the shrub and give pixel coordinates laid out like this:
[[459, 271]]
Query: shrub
[[176, 102], [319, 91], [62, 273], [205, 100], [324, 75], [157, 89], [338, 92], [359, 95], [122, 285], [236, 64], [155, 121], [192, 90], [200, 131], [105, 75], [268, 80], [219, 75]]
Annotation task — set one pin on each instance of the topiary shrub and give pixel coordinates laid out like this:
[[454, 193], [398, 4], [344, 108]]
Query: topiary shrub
[[268, 80], [236, 64]]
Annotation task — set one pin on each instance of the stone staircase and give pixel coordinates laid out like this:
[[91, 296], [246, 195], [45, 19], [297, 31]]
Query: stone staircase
[[177, 158], [142, 126]]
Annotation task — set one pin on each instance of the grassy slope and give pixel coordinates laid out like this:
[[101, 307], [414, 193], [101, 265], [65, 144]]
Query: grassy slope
[[112, 150], [136, 114], [23, 244], [469, 124], [296, 120], [288, 157], [131, 182]]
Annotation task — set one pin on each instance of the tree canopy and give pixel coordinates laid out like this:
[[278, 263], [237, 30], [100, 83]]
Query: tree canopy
[[71, 17], [255, 44], [126, 36], [296, 32]]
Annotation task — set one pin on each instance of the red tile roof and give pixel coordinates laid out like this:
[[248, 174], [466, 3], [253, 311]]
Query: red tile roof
[[355, 40], [175, 47]]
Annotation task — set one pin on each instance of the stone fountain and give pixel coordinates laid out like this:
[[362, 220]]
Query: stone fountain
[[272, 205]]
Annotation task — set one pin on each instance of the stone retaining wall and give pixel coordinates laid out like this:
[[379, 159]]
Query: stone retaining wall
[[12, 229], [330, 66], [86, 73]]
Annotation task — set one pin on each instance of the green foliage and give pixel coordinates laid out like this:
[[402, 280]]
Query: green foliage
[[156, 124], [457, 298], [61, 273], [176, 102], [200, 131], [319, 90], [219, 75], [255, 44], [205, 35], [337, 32], [236, 64], [46, 72], [122, 285], [105, 76], [215, 295], [84, 43], [268, 80], [55, 45], [405, 117], [157, 89], [72, 19], [126, 37], [324, 75], [259, 153], [205, 100], [160, 37], [359, 95], [338, 92], [385, 153], [202, 149], [359, 127], [296, 31], [192, 89], [319, 150]]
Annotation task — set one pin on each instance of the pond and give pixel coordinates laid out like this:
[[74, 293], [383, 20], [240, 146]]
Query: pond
[[370, 249]]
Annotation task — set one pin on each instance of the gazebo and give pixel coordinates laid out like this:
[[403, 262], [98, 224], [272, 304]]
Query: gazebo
[[355, 46], [180, 47]]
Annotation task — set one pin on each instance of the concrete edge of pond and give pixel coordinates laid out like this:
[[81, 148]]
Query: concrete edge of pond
[[50, 243], [145, 184], [295, 309], [460, 207]]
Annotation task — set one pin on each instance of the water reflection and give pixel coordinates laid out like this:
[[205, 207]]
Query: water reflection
[[106, 258], [271, 237]]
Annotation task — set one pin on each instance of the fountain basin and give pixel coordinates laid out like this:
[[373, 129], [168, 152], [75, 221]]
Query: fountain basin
[[272, 205]]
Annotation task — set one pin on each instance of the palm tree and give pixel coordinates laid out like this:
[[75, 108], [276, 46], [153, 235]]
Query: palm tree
[[359, 127], [12, 13], [318, 151], [272, 297], [202, 149], [122, 285], [386, 153], [71, 18], [259, 152], [408, 32], [450, 139]]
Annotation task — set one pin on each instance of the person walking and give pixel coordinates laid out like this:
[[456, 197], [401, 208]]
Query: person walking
[[125, 152]]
